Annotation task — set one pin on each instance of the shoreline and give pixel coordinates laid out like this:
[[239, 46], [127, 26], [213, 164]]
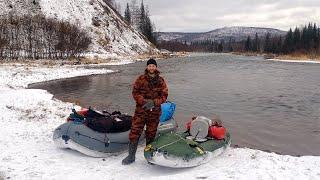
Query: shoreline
[[295, 61], [279, 58], [97, 61], [20, 76], [92, 61]]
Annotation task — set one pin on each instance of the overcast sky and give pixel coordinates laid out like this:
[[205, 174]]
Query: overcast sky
[[206, 15]]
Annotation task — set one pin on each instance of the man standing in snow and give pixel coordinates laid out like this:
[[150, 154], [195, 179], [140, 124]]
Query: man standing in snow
[[149, 91]]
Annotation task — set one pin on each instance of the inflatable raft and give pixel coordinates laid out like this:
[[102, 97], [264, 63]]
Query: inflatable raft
[[188, 149], [76, 134], [79, 137]]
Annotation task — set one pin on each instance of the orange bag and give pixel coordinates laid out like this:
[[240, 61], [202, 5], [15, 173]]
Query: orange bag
[[217, 132]]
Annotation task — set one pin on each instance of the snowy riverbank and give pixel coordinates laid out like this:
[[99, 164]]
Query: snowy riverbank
[[29, 116], [296, 61]]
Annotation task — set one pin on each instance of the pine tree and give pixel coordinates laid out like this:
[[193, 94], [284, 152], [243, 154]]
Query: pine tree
[[148, 30], [220, 47], [315, 37], [230, 48], [142, 19], [256, 44], [309, 37], [304, 38], [127, 14], [296, 39], [267, 44], [135, 14], [145, 25], [279, 45], [248, 44], [288, 42]]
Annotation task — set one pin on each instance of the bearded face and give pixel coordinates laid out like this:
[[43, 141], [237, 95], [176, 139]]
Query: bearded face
[[151, 68]]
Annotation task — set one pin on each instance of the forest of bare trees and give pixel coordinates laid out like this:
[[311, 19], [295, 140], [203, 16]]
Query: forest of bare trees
[[37, 37]]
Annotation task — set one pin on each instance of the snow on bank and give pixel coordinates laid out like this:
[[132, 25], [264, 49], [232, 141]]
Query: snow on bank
[[296, 61], [21, 75], [29, 116], [113, 63]]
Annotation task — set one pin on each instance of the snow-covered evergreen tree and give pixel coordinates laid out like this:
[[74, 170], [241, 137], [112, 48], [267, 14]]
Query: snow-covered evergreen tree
[[127, 14]]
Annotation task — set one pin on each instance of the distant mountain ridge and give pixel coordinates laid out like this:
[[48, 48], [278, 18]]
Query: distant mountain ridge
[[235, 33]]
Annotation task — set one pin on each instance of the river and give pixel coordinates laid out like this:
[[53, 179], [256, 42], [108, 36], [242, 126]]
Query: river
[[267, 105]]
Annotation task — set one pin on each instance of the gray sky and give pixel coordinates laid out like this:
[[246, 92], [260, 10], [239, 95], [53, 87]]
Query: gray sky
[[206, 15]]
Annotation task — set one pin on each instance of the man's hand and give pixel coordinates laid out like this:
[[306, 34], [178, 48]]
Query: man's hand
[[148, 105]]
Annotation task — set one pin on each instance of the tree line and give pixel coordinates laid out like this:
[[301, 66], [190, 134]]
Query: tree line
[[136, 16], [304, 40], [139, 18], [38, 37]]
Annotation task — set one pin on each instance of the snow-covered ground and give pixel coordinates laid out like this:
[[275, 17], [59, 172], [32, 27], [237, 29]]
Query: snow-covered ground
[[29, 116], [296, 61], [21, 75]]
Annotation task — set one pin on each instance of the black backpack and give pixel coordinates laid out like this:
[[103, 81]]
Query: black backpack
[[108, 123]]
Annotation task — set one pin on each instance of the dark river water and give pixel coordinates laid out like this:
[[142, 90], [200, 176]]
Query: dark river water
[[266, 105]]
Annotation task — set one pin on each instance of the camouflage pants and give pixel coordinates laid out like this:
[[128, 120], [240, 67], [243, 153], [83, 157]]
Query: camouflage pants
[[150, 119]]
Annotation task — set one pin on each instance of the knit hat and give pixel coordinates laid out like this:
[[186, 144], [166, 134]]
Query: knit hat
[[152, 61]]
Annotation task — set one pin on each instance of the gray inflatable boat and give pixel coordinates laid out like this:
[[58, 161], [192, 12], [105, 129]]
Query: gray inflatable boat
[[79, 137]]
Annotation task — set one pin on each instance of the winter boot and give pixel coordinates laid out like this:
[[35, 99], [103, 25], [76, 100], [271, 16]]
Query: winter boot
[[132, 154], [148, 141]]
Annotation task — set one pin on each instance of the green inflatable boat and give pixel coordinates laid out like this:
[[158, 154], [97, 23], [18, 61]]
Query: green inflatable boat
[[177, 150], [204, 139]]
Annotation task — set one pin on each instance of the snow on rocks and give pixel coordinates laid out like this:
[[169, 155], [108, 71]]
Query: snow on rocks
[[29, 116]]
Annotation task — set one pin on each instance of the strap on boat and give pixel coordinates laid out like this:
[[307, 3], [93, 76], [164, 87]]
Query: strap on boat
[[191, 143]]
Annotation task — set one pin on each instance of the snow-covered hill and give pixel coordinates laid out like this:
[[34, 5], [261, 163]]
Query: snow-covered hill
[[111, 36], [236, 33]]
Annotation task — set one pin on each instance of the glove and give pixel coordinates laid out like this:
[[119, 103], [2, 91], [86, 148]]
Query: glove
[[148, 105]]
